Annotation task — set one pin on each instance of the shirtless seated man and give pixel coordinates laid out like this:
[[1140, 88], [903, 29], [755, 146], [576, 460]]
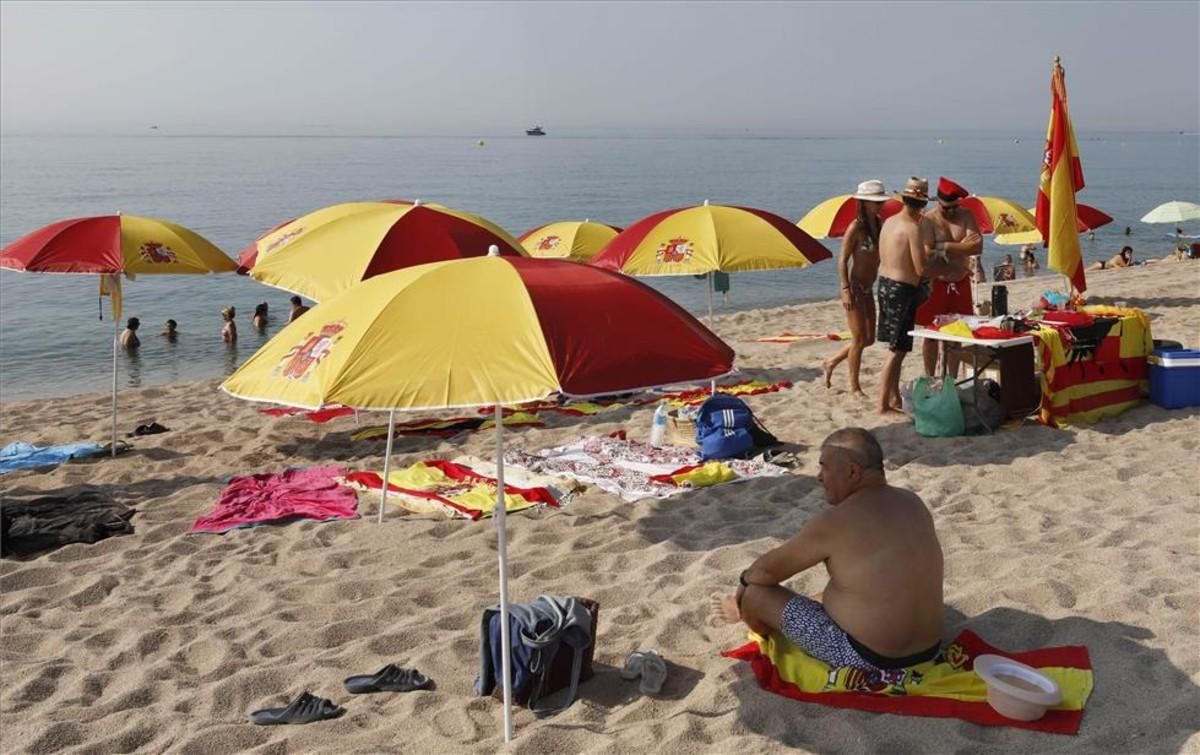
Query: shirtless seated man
[[882, 607]]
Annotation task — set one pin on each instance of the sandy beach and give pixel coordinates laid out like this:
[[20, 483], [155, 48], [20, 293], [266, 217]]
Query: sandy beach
[[163, 641]]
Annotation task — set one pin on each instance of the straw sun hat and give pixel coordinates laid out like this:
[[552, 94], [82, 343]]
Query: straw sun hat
[[871, 191]]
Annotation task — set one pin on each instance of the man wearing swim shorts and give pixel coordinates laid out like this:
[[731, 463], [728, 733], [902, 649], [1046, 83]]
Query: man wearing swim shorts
[[905, 249], [882, 607], [956, 238]]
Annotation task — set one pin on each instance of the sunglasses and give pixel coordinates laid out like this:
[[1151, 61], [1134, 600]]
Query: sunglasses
[[948, 207]]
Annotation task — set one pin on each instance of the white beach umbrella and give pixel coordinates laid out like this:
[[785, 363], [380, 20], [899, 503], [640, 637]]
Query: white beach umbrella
[[1173, 212]]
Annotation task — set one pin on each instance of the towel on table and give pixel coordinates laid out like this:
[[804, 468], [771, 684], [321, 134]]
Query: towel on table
[[947, 686], [21, 455], [438, 486], [628, 468], [296, 493]]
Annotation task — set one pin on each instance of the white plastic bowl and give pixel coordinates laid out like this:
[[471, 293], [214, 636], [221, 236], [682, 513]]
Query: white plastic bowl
[[1015, 690]]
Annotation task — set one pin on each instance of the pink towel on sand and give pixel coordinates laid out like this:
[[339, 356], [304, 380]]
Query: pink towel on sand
[[261, 498]]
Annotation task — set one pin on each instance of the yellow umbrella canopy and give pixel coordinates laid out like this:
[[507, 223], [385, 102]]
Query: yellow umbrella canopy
[[326, 252], [708, 237], [578, 241], [1003, 215]]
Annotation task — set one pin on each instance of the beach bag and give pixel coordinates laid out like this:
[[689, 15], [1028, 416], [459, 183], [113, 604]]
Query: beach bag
[[727, 429], [936, 410], [984, 412], [537, 677]]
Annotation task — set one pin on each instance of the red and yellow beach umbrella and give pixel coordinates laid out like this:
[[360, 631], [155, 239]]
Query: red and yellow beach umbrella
[[484, 331], [578, 241], [326, 252], [112, 247], [249, 255], [831, 218], [708, 237], [1087, 218], [703, 239]]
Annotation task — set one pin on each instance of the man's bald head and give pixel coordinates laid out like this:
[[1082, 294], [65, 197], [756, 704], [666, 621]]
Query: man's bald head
[[857, 445]]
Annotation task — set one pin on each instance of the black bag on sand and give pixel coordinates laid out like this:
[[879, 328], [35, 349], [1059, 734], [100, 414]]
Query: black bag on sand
[[986, 413]]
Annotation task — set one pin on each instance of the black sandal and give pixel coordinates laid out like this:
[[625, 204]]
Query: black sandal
[[306, 708], [390, 678]]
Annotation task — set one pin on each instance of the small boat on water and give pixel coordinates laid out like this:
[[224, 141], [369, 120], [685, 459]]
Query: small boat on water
[[535, 131]]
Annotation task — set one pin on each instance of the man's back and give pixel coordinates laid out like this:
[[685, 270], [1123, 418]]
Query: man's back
[[885, 571], [896, 239]]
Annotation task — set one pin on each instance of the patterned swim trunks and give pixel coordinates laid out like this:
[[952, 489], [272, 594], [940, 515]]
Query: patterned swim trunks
[[898, 303], [806, 624]]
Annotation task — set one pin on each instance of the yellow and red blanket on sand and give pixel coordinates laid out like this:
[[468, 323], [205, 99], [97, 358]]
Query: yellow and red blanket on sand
[[442, 486], [946, 687]]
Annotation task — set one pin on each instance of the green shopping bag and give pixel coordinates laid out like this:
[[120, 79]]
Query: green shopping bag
[[936, 410]]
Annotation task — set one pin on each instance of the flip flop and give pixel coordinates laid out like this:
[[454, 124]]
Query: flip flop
[[306, 708], [151, 429], [390, 678], [654, 673], [633, 666]]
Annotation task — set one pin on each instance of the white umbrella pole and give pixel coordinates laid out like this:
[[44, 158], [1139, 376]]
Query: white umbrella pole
[[712, 386], [387, 462], [116, 345], [710, 299], [500, 514]]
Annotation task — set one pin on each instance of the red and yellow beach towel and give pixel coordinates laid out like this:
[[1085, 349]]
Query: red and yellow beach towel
[[1114, 379], [440, 486], [945, 687]]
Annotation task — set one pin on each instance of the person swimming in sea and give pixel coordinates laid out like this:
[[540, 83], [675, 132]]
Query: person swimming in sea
[[172, 331], [229, 332], [260, 317], [129, 339]]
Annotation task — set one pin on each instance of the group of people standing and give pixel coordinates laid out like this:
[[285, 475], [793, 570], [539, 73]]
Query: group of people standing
[[921, 258], [130, 341]]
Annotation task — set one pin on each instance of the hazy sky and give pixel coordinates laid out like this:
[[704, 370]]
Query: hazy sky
[[493, 68]]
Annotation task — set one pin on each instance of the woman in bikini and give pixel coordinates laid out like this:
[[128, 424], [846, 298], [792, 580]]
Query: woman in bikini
[[858, 266], [1124, 259]]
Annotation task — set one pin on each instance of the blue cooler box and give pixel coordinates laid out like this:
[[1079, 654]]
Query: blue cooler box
[[1175, 378]]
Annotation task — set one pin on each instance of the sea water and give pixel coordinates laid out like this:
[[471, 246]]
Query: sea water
[[232, 188]]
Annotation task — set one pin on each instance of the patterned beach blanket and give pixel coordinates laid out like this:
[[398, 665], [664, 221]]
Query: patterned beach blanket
[[947, 686], [634, 470], [294, 494]]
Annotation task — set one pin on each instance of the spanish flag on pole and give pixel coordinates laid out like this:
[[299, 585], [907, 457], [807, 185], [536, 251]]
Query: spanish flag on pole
[[1062, 176]]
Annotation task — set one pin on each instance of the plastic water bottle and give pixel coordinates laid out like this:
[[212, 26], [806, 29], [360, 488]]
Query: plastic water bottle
[[658, 428]]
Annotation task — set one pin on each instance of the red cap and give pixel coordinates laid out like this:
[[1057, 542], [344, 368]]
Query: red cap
[[950, 191]]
